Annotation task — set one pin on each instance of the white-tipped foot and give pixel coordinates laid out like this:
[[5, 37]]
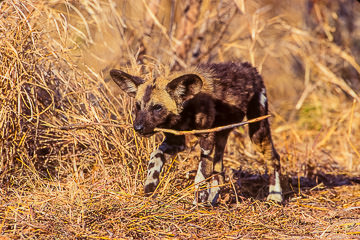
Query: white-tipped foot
[[275, 191], [214, 192], [275, 197]]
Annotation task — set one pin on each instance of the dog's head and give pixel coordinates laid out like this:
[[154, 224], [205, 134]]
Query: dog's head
[[158, 102]]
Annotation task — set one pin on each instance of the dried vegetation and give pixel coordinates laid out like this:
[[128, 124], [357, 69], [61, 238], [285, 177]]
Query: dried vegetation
[[72, 167]]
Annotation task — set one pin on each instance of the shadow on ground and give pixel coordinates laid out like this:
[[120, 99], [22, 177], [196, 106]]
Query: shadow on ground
[[256, 186]]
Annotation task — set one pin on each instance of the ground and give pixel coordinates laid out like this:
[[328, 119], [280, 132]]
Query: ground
[[72, 167]]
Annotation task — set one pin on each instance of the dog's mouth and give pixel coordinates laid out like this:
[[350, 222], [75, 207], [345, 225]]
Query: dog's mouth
[[146, 134]]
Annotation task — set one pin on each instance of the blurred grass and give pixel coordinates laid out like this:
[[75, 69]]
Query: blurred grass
[[87, 182]]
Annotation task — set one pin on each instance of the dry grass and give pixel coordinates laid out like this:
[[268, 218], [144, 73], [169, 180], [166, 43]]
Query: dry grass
[[86, 183]]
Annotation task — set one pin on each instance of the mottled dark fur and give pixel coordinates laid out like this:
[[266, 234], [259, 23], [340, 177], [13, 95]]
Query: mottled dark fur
[[210, 95]]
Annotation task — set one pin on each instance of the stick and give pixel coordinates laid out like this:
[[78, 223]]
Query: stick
[[217, 129], [175, 132]]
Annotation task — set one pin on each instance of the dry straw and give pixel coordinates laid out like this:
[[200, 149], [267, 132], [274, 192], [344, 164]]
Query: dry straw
[[58, 183]]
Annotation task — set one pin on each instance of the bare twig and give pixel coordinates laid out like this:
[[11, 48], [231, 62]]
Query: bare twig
[[221, 35], [217, 129], [175, 132]]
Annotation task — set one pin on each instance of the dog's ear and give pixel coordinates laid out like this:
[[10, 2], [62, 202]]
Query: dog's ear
[[126, 82], [184, 87]]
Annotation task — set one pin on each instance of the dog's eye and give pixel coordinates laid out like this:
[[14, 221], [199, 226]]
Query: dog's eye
[[157, 107], [137, 106]]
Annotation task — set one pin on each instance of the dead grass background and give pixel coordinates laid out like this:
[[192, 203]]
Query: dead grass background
[[85, 183]]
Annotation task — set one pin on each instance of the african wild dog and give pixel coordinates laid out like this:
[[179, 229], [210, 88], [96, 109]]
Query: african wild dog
[[207, 96]]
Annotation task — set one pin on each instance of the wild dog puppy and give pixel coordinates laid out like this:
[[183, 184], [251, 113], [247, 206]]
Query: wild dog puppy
[[207, 96]]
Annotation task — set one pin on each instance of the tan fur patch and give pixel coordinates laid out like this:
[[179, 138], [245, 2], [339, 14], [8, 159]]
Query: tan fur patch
[[201, 119], [159, 94], [206, 77]]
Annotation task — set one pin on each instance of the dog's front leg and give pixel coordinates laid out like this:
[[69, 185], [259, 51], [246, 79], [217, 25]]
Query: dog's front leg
[[171, 145], [205, 169]]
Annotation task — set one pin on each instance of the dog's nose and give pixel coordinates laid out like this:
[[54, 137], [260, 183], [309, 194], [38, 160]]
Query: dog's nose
[[138, 127]]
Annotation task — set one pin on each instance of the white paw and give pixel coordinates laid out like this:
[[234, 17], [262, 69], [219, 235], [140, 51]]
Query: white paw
[[276, 197], [214, 192]]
